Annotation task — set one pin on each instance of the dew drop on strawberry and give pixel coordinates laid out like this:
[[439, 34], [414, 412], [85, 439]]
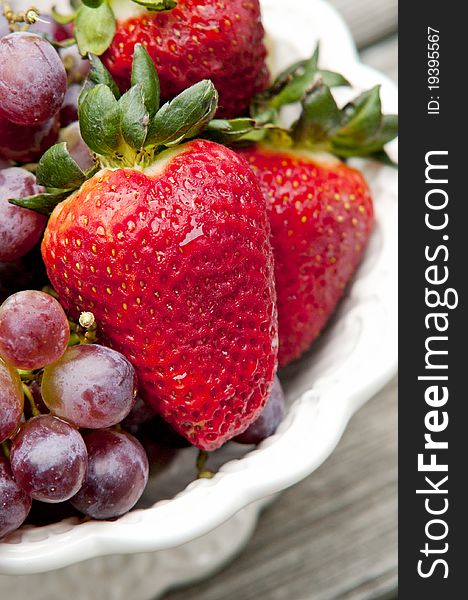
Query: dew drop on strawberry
[[11, 401], [33, 80], [117, 474], [20, 228], [26, 143], [15, 504], [269, 419], [49, 459], [34, 330], [91, 386]]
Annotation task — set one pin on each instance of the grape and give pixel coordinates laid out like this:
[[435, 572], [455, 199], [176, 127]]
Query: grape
[[117, 474], [269, 419], [141, 413], [77, 148], [23, 143], [91, 386], [69, 110], [34, 330], [49, 459], [33, 80], [14, 503], [11, 401], [20, 228]]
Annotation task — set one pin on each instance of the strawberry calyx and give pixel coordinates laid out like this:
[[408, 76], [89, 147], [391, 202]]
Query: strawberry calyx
[[359, 129], [128, 130]]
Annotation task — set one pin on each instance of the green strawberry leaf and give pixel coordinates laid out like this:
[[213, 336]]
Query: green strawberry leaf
[[99, 74], [57, 169], [320, 116], [42, 203], [225, 131], [94, 28], [144, 73], [333, 79], [134, 117], [156, 5], [184, 116], [62, 19], [361, 119], [99, 114], [92, 3]]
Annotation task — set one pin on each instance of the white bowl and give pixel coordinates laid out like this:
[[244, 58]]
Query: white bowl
[[353, 360]]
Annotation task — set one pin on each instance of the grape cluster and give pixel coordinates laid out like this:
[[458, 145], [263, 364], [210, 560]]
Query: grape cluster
[[39, 88], [64, 444]]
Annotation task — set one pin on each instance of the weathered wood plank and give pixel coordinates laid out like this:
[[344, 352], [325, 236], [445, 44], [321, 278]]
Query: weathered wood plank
[[368, 20]]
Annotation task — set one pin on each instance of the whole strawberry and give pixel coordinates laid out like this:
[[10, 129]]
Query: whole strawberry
[[320, 209], [170, 251], [188, 41]]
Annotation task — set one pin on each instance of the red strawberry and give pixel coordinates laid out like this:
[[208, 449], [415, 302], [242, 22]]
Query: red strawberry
[[321, 215], [173, 258], [199, 39], [320, 210]]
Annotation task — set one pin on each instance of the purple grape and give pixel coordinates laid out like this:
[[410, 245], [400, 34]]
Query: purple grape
[[117, 474], [34, 330], [141, 413], [14, 503], [23, 143], [33, 80], [77, 148], [20, 228], [269, 419], [11, 401], [69, 110], [49, 459], [91, 386]]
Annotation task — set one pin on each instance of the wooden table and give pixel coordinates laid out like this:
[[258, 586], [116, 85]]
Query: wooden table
[[333, 536]]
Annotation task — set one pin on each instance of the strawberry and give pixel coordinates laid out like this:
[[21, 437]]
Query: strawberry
[[188, 40], [169, 249], [320, 209]]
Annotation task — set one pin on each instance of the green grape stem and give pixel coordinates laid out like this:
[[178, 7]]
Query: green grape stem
[[27, 392]]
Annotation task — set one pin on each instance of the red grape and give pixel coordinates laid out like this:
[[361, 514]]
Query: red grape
[[141, 413], [91, 386], [20, 228], [34, 330], [26, 143], [49, 459], [76, 66], [14, 503], [117, 474], [11, 401], [269, 419], [77, 148], [33, 80], [69, 110]]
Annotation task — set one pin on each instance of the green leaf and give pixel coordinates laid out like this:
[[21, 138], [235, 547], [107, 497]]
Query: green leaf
[[373, 146], [99, 115], [92, 3], [144, 73], [94, 28], [57, 169], [42, 203], [135, 118], [320, 117], [226, 131], [62, 19], [99, 74], [184, 116], [333, 79], [362, 118], [156, 5]]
